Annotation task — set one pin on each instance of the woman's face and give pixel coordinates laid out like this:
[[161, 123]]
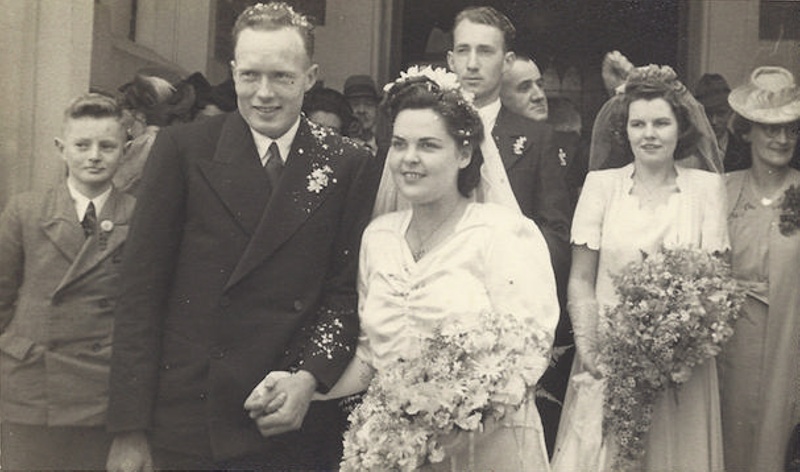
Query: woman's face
[[424, 159], [773, 144], [652, 130]]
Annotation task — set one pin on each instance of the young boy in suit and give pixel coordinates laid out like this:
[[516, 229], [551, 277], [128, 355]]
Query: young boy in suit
[[59, 256]]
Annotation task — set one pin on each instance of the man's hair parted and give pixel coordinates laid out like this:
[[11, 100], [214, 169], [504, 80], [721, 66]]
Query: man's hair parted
[[491, 17], [272, 16]]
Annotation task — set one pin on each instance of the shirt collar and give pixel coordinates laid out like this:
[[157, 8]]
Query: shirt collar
[[284, 142], [82, 202], [488, 114]]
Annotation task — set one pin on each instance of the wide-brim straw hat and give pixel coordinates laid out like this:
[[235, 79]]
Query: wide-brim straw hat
[[771, 97]]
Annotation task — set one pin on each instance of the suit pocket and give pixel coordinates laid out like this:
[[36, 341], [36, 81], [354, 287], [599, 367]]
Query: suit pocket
[[18, 347]]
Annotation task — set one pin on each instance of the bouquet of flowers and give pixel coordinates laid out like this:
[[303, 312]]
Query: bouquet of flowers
[[464, 375], [676, 309], [790, 211]]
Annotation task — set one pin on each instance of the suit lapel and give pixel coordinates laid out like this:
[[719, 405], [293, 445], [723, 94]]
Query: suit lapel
[[60, 223], [511, 136], [236, 175], [111, 233], [294, 198]]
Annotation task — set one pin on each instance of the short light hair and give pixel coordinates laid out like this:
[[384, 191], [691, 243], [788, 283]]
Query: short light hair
[[93, 105], [491, 17], [275, 15]]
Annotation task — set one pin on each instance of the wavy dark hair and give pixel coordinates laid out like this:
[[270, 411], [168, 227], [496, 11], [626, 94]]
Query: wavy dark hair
[[649, 83], [461, 120]]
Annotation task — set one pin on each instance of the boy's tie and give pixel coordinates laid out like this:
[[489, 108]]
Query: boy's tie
[[89, 221]]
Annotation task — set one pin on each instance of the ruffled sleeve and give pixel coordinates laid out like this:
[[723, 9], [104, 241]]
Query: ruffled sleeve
[[587, 223], [519, 278]]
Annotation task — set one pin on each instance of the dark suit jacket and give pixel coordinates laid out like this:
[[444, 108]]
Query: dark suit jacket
[[57, 294], [534, 172], [229, 279]]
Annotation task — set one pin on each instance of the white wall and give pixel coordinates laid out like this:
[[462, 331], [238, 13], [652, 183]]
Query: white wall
[[726, 41], [45, 48]]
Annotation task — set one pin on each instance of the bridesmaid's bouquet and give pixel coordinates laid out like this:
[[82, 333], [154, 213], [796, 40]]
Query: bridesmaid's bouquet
[[677, 307], [465, 374]]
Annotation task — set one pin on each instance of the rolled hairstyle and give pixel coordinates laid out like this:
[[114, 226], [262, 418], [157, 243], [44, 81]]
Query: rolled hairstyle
[[461, 119], [652, 82], [610, 145]]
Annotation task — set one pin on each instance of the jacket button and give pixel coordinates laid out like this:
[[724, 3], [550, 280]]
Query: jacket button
[[298, 305], [224, 300], [218, 353], [203, 396], [96, 347], [103, 303]]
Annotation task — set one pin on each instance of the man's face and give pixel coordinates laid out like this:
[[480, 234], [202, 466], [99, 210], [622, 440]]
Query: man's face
[[92, 149], [271, 71], [479, 59], [719, 117], [365, 109], [523, 92]]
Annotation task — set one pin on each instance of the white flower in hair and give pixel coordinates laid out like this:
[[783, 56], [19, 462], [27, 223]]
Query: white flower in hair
[[446, 81]]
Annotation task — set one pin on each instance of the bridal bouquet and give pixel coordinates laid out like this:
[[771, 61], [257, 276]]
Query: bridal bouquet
[[676, 309], [464, 374]]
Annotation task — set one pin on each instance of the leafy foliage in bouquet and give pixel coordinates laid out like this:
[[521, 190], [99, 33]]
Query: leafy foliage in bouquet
[[790, 211], [676, 309], [464, 375]]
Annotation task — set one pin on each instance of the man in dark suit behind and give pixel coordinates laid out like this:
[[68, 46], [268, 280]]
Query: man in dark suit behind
[[242, 261], [482, 43]]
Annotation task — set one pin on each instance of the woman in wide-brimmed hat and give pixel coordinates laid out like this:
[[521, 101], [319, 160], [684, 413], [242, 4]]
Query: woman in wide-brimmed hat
[[759, 372]]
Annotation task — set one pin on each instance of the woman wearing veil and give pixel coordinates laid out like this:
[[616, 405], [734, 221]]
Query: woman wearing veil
[[648, 202], [458, 248]]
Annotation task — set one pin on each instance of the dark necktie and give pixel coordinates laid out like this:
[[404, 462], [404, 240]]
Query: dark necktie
[[89, 221], [274, 165]]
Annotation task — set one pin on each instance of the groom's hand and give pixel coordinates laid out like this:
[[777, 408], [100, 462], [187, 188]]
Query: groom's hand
[[265, 398], [297, 390]]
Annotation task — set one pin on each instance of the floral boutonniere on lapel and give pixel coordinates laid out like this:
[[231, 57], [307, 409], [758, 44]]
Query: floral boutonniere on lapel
[[790, 211], [519, 145], [106, 226], [562, 157], [319, 178]]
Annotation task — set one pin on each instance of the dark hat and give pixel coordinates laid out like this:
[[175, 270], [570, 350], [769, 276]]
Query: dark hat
[[712, 91], [360, 86]]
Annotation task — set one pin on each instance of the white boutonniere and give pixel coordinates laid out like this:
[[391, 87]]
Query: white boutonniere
[[319, 178], [519, 145], [562, 157]]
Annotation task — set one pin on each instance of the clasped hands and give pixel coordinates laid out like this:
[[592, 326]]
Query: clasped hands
[[279, 403]]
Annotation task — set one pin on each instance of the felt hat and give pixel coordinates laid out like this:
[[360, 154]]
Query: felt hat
[[712, 91], [360, 86]]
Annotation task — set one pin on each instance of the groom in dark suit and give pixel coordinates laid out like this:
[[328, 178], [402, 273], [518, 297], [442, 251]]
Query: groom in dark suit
[[482, 42], [242, 260]]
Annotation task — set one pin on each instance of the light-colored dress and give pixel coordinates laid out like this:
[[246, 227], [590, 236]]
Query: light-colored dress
[[759, 367], [496, 261], [685, 434]]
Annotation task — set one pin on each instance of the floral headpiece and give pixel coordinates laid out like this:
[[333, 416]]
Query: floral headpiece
[[653, 74], [437, 80]]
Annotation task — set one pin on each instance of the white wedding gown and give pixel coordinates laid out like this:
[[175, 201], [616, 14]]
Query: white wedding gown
[[496, 261]]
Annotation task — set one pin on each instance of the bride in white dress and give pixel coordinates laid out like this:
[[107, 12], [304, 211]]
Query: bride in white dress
[[449, 257]]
